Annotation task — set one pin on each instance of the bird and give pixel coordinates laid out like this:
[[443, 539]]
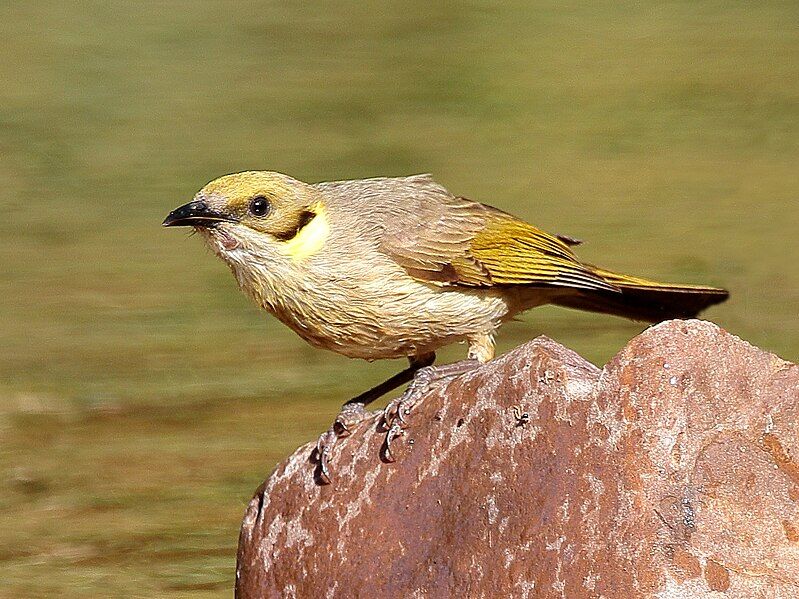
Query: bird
[[398, 267]]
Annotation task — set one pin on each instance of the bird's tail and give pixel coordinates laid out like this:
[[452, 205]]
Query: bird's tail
[[642, 299]]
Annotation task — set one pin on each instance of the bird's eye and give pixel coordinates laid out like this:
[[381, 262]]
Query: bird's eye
[[259, 206]]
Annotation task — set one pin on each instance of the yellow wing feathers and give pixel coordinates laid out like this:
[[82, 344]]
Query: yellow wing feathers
[[516, 253]]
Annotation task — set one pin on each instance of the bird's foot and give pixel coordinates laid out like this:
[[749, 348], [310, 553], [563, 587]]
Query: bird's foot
[[348, 418], [394, 420]]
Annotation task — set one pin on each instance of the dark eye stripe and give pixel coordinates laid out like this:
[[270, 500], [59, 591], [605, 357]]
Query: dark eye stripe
[[259, 206]]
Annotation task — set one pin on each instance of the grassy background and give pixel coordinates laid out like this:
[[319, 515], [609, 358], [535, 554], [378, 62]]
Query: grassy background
[[142, 399]]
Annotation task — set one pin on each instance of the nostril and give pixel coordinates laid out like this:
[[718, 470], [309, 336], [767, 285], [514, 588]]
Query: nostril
[[197, 207]]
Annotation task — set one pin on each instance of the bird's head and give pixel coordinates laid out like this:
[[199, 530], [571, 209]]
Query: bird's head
[[258, 213]]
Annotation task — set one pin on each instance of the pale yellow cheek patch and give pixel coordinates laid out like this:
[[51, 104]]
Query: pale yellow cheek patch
[[311, 237]]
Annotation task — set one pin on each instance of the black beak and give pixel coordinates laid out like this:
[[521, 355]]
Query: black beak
[[195, 214]]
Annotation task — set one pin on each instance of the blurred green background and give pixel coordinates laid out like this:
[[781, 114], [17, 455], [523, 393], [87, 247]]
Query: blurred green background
[[143, 399]]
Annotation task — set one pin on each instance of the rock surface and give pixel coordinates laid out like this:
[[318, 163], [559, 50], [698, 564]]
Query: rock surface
[[672, 472]]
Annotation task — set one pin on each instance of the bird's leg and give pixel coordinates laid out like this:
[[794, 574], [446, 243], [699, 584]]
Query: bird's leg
[[397, 409], [354, 411]]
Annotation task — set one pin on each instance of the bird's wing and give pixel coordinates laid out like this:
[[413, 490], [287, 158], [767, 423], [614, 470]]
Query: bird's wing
[[431, 240], [455, 241], [517, 253]]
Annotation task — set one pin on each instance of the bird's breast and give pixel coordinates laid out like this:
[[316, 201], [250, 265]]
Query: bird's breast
[[370, 310]]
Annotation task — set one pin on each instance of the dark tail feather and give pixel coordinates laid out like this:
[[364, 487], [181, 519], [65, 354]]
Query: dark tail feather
[[641, 299]]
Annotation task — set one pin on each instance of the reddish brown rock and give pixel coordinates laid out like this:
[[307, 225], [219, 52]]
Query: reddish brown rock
[[672, 472]]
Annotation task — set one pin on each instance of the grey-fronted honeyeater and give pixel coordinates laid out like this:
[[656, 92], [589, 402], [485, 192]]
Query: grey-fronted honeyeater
[[399, 267]]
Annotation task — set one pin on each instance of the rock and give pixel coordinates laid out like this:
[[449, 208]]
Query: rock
[[673, 472]]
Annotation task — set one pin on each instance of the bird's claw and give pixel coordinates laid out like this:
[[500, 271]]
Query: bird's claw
[[394, 421], [392, 413], [349, 416], [324, 446], [394, 431]]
